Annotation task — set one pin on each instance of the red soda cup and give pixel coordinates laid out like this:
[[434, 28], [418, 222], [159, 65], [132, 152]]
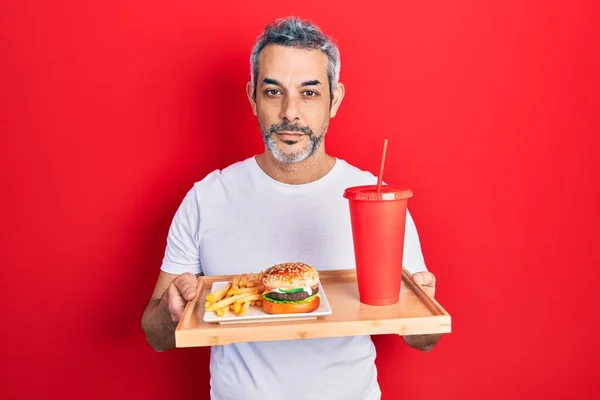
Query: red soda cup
[[378, 225]]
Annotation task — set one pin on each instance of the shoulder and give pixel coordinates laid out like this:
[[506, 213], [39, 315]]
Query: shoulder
[[217, 179]]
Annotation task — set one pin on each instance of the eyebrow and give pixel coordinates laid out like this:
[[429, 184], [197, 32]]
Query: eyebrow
[[269, 81], [314, 82]]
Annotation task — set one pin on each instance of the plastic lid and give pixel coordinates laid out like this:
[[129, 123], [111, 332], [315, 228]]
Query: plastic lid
[[369, 192]]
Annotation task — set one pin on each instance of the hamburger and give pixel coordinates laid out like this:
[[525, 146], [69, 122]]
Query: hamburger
[[290, 288]]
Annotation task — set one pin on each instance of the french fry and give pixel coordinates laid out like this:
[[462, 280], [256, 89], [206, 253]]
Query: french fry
[[219, 294], [227, 301], [253, 296], [243, 280], [244, 308], [243, 290]]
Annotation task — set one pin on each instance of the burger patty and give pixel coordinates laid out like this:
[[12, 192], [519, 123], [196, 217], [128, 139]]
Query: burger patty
[[292, 296]]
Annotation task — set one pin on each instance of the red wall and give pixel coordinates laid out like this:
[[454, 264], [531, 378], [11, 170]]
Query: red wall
[[111, 110]]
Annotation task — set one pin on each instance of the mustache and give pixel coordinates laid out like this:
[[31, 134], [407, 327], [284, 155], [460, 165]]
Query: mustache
[[287, 127]]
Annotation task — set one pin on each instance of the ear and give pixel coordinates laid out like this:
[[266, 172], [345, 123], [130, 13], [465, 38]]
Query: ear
[[338, 95], [250, 94]]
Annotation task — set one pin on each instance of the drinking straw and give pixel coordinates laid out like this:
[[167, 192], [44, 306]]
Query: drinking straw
[[381, 166]]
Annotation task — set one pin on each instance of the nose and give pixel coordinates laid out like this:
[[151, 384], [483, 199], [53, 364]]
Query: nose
[[289, 109]]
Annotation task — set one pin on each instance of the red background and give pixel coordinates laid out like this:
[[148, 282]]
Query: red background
[[111, 110]]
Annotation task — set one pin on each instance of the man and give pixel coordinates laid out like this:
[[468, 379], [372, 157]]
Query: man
[[283, 205]]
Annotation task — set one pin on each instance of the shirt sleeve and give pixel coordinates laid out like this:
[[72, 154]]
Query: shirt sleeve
[[413, 259], [182, 253]]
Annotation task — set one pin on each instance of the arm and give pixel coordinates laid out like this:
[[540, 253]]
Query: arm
[[160, 318], [176, 282], [424, 342], [413, 257]]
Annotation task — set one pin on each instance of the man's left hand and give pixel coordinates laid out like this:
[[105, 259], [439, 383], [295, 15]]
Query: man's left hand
[[426, 280]]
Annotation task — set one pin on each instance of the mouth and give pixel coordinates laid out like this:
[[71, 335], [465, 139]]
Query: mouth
[[290, 135]]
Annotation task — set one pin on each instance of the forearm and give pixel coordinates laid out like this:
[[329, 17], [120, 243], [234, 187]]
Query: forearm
[[158, 326], [422, 342]]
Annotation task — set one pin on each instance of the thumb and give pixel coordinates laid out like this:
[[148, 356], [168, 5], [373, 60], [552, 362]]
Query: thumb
[[418, 278], [186, 284]]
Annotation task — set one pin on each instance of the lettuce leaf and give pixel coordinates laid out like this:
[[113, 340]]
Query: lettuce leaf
[[291, 290]]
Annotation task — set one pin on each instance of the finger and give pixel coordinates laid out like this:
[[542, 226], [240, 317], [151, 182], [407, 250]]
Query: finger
[[176, 303], [186, 284], [424, 278]]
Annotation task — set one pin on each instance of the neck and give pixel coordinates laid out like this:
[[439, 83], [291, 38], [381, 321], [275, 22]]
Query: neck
[[309, 170]]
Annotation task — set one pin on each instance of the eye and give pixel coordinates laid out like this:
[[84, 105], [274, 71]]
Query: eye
[[272, 92], [310, 93]]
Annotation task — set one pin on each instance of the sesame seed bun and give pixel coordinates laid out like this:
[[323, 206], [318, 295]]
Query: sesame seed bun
[[290, 276]]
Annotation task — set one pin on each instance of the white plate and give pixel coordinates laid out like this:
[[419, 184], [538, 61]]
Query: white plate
[[256, 314]]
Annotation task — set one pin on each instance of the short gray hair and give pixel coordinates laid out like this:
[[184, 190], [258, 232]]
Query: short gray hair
[[299, 33]]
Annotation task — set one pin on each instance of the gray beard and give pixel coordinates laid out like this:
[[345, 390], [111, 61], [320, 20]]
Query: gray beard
[[296, 157]]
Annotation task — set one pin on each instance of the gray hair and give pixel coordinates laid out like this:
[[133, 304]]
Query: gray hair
[[295, 32]]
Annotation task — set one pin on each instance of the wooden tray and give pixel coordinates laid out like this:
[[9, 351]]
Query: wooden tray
[[415, 313]]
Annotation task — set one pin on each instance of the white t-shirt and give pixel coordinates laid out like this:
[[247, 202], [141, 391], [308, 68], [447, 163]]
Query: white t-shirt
[[240, 220]]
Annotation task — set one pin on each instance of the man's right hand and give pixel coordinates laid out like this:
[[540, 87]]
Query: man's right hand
[[181, 290], [163, 312]]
